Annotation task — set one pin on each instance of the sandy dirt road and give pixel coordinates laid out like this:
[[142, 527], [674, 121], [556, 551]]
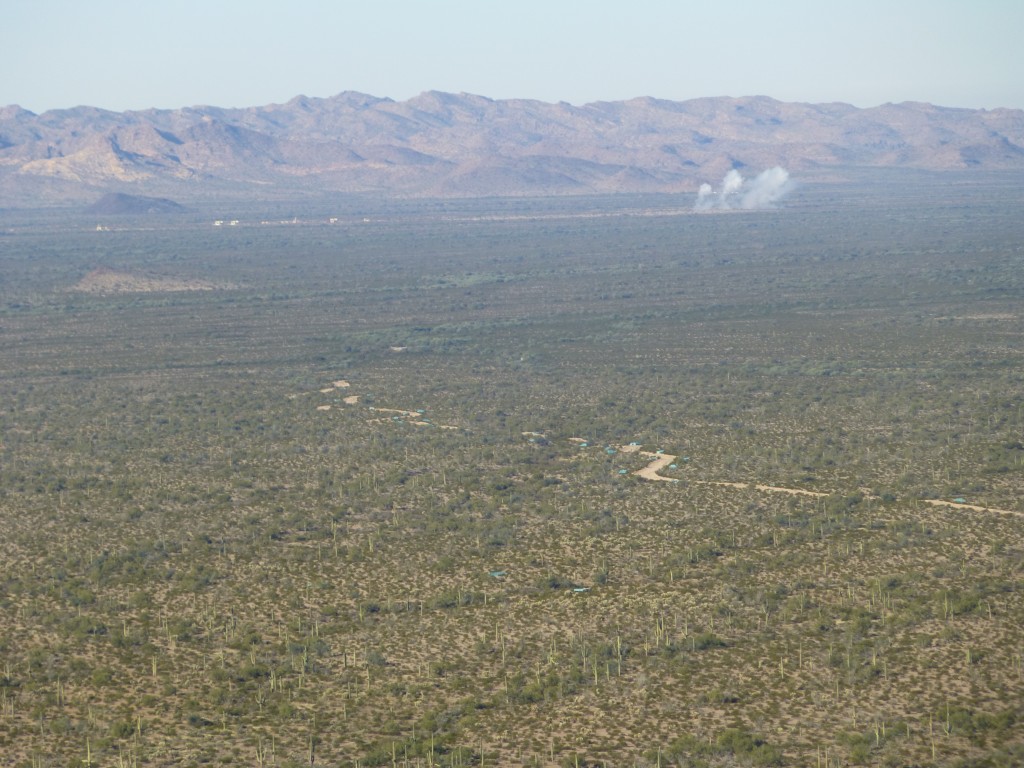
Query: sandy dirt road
[[662, 460]]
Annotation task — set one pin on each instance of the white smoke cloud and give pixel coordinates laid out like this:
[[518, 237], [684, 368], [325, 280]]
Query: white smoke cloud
[[766, 189], [763, 191], [731, 184], [704, 197]]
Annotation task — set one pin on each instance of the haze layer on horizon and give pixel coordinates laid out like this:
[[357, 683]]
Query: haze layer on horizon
[[121, 56]]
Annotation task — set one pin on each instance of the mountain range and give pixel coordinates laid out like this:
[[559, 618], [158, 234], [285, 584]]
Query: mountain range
[[442, 144]]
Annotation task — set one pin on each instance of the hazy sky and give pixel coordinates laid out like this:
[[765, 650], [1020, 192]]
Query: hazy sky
[[136, 54]]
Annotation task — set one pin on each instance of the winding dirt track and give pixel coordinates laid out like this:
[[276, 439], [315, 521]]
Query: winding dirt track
[[650, 472], [972, 507], [768, 488], [662, 460]]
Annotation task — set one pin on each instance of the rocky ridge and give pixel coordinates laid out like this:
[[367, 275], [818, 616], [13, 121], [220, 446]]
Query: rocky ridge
[[442, 144]]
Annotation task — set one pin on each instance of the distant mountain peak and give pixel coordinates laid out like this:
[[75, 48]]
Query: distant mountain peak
[[440, 143]]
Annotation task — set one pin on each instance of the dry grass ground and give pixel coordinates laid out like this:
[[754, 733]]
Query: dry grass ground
[[109, 282], [707, 608], [216, 553]]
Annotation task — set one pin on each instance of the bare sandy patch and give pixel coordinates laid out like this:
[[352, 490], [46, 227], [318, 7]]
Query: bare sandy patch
[[399, 411], [323, 407], [342, 384], [412, 417], [104, 281], [351, 400]]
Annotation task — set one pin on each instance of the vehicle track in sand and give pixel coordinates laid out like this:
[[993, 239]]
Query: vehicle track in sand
[[406, 415], [661, 460]]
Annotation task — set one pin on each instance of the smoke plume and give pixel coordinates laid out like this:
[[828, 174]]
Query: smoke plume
[[763, 191]]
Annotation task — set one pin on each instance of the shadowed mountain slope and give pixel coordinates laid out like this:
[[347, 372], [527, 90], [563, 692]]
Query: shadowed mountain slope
[[465, 145]]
